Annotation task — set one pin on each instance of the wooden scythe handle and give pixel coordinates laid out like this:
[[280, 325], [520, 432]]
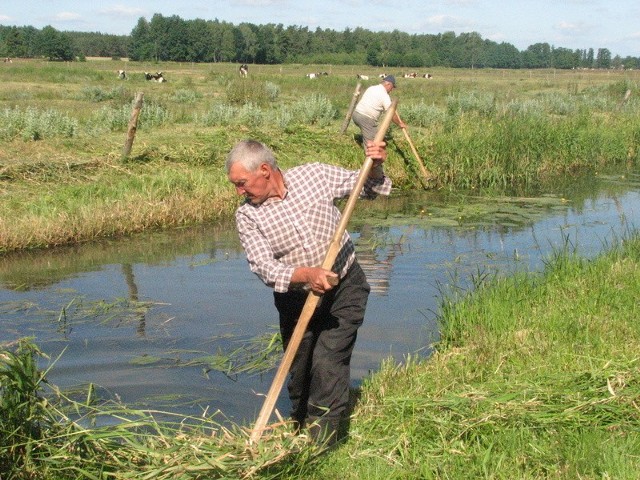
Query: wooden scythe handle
[[312, 300], [425, 173]]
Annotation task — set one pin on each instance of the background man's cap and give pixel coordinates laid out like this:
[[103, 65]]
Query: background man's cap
[[391, 79]]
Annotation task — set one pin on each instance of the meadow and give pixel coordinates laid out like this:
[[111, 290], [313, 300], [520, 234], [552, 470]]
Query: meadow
[[64, 177], [535, 376]]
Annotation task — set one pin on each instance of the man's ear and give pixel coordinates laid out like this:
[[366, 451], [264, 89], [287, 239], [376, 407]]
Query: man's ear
[[265, 171]]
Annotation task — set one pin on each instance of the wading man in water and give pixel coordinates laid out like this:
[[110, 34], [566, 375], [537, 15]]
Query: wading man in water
[[286, 225]]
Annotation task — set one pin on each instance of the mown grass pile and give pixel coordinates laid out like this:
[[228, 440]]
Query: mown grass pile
[[63, 126], [45, 434], [535, 376]]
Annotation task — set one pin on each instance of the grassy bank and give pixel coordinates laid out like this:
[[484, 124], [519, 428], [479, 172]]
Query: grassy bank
[[63, 127], [536, 376]]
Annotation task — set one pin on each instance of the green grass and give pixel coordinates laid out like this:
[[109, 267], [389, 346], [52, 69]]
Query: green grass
[[536, 376]]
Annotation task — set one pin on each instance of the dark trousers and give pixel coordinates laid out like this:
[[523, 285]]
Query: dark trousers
[[368, 126], [320, 374]]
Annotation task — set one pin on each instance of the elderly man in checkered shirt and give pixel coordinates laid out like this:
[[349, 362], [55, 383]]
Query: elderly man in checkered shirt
[[286, 225]]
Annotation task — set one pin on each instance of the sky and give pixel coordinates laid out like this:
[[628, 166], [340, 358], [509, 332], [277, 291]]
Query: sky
[[573, 24]]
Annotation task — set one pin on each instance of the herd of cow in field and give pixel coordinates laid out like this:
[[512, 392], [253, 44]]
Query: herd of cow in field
[[243, 71], [156, 77], [404, 75]]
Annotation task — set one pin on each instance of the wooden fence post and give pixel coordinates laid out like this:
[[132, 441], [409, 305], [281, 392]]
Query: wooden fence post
[[133, 125], [352, 107]]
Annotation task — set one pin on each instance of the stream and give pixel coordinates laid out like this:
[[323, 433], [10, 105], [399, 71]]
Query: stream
[[150, 319]]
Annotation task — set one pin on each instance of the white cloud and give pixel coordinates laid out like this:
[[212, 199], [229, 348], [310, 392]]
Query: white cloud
[[446, 21], [67, 16], [497, 37], [259, 3], [123, 11], [460, 3], [5, 18], [569, 27]]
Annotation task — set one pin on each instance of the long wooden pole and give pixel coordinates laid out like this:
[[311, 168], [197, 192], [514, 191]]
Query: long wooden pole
[[425, 173], [312, 299], [352, 107]]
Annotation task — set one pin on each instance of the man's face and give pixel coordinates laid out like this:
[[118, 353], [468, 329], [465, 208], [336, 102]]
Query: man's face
[[253, 185]]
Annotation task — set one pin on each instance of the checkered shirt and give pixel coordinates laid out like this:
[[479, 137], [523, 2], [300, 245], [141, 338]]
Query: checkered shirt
[[280, 235]]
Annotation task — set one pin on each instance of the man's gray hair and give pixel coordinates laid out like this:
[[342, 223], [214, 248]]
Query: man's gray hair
[[251, 154]]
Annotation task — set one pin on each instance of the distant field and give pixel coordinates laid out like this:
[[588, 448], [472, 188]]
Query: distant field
[[63, 127]]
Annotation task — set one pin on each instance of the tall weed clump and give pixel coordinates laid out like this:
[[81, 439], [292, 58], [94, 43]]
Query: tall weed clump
[[314, 109], [423, 115], [185, 95], [481, 144], [36, 124], [221, 114], [117, 118], [247, 91], [96, 94], [24, 416]]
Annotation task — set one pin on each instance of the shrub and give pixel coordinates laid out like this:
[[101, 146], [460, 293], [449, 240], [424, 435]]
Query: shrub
[[186, 96], [218, 114], [314, 109], [423, 115], [272, 91], [481, 103], [250, 115], [98, 94]]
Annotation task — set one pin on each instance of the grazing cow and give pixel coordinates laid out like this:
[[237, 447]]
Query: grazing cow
[[317, 74], [156, 77], [244, 70], [8, 60], [122, 75], [410, 75], [362, 77], [427, 75], [382, 75]]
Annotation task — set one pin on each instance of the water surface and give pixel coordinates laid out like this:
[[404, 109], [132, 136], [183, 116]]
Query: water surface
[[129, 315]]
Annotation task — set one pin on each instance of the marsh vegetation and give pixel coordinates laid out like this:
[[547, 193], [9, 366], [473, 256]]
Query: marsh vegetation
[[63, 127]]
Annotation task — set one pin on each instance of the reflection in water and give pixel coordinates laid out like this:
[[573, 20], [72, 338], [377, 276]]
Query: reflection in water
[[376, 258], [37, 269], [127, 270], [200, 298]]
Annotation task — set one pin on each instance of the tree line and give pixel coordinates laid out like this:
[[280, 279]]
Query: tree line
[[171, 38]]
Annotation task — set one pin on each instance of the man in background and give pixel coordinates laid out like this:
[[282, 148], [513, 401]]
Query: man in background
[[372, 104]]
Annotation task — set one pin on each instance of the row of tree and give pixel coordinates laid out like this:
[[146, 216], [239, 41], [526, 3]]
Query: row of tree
[[29, 42], [174, 39]]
